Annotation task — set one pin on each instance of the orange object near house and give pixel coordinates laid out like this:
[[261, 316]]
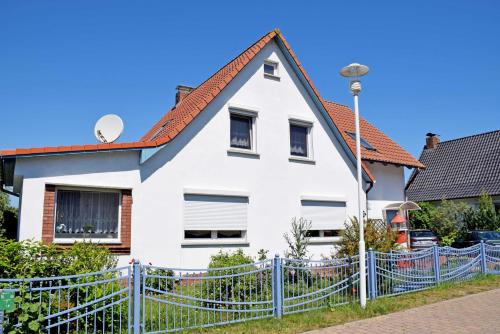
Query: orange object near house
[[398, 219], [401, 237]]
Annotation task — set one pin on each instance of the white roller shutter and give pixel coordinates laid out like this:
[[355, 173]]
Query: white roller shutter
[[325, 215], [213, 212]]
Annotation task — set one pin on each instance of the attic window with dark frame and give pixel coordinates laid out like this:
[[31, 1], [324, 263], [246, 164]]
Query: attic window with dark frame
[[271, 69], [363, 142]]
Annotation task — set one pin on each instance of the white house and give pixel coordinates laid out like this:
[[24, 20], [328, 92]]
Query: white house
[[227, 167]]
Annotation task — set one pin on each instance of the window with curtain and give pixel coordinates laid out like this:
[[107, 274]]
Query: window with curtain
[[298, 140], [87, 214], [241, 131]]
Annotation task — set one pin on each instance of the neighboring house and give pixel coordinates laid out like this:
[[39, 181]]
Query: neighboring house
[[458, 169], [228, 166]]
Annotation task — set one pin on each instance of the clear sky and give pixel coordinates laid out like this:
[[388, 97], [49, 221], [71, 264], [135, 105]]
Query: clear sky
[[435, 65]]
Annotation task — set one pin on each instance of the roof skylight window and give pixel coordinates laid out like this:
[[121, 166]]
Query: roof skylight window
[[363, 142]]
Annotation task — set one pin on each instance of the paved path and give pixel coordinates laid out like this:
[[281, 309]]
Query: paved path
[[478, 313]]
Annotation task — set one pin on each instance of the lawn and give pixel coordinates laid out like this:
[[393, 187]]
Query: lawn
[[301, 322]]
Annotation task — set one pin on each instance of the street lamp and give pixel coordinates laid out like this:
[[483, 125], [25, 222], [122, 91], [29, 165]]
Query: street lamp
[[354, 72]]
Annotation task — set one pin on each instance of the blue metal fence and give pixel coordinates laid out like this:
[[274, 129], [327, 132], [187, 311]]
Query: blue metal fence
[[150, 299], [308, 284], [176, 298], [88, 303]]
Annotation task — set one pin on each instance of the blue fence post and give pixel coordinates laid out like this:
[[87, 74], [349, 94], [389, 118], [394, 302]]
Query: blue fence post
[[482, 252], [277, 298], [372, 279], [437, 265], [137, 296]]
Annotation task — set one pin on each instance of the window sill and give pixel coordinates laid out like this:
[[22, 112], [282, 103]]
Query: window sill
[[214, 242], [306, 160], [242, 152], [70, 241], [324, 240], [271, 76]]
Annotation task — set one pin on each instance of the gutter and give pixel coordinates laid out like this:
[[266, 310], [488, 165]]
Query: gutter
[[371, 184], [2, 189]]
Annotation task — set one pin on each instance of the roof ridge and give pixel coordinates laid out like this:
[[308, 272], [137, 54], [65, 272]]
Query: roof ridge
[[470, 136], [181, 115], [161, 122]]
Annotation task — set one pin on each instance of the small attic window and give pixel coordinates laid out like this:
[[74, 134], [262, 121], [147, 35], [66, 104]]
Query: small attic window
[[363, 142], [271, 69]]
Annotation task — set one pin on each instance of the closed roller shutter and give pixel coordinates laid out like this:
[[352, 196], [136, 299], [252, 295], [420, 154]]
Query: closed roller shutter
[[325, 215], [211, 212]]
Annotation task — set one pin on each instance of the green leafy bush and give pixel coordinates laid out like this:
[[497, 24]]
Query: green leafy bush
[[240, 286], [163, 279], [449, 220], [377, 236], [29, 259], [484, 217]]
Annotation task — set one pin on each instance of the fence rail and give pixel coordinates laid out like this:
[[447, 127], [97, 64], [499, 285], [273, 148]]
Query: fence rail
[[89, 303], [150, 299]]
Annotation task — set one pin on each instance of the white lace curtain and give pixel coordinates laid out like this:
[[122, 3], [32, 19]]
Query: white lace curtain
[[240, 132], [87, 213], [298, 140]]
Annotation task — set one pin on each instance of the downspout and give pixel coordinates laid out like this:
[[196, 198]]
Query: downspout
[[371, 184]]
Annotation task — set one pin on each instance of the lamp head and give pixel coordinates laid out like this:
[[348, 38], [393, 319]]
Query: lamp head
[[354, 71]]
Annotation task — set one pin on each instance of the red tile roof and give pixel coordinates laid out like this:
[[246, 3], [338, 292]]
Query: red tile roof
[[386, 150], [174, 121]]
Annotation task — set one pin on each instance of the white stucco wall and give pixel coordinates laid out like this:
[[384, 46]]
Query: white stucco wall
[[198, 158], [388, 188]]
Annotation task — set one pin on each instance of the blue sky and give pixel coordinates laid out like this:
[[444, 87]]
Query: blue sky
[[434, 65]]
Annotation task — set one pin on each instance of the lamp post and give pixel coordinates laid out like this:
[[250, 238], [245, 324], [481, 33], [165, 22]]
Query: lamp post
[[354, 72]]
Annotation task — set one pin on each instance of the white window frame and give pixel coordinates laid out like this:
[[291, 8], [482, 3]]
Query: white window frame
[[309, 125], [253, 115], [275, 65], [213, 240], [116, 240], [322, 239]]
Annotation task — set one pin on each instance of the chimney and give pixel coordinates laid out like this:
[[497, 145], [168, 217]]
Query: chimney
[[431, 140], [182, 92]]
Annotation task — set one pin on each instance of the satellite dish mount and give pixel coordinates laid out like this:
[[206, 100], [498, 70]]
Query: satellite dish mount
[[108, 128]]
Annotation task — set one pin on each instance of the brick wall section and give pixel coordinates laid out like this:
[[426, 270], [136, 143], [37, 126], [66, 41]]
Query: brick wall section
[[48, 214], [122, 248]]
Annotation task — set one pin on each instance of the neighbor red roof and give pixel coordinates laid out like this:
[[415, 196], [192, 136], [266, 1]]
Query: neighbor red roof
[[174, 121]]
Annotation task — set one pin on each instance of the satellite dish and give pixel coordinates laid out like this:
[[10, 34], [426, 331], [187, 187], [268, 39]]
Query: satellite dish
[[108, 128]]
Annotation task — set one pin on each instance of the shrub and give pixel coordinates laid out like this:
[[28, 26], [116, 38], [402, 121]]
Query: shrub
[[377, 236], [298, 239], [446, 220], [162, 279], [85, 257], [28, 259], [484, 217], [423, 218], [238, 286]]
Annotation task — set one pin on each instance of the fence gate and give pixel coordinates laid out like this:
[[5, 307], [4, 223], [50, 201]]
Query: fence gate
[[88, 303], [174, 299], [308, 284]]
